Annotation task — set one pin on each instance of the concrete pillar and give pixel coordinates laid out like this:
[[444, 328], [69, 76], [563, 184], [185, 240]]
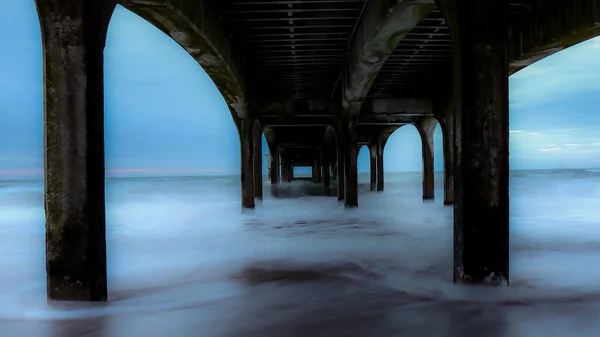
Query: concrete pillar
[[326, 170], [334, 171], [282, 167], [481, 208], [258, 175], [274, 168], [246, 134], [351, 170], [73, 37], [274, 164], [319, 168], [341, 166], [380, 172], [373, 168], [426, 129], [447, 125]]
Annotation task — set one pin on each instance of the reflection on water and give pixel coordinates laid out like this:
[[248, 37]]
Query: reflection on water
[[184, 261]]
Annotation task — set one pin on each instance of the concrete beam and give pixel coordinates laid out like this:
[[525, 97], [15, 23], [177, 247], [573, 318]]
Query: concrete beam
[[414, 106], [384, 23], [196, 28], [292, 106], [551, 27], [282, 120], [387, 119]]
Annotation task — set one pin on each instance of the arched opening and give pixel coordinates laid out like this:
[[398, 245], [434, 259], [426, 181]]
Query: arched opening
[[265, 156], [555, 161], [166, 147], [364, 170], [303, 172], [403, 162], [438, 163], [21, 156], [168, 126]]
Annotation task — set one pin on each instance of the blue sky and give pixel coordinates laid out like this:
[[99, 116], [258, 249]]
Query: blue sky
[[164, 114]]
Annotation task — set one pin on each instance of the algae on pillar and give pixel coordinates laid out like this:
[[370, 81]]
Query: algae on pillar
[[73, 37]]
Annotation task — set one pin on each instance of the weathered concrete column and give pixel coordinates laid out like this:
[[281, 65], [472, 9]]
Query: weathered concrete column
[[258, 175], [246, 132], [373, 168], [274, 149], [426, 129], [334, 170], [73, 37], [319, 168], [341, 166], [380, 172], [274, 168], [326, 170], [447, 125], [282, 167], [481, 210], [285, 169], [351, 170]]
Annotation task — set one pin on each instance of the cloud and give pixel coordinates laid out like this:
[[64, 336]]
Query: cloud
[[550, 149], [516, 131], [573, 145], [534, 133], [597, 144]]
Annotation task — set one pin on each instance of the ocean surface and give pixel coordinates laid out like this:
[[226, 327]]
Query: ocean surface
[[183, 260]]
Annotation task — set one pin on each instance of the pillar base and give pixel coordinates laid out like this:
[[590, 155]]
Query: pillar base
[[491, 280], [248, 206]]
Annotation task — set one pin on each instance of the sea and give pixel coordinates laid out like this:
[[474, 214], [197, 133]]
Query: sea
[[184, 260]]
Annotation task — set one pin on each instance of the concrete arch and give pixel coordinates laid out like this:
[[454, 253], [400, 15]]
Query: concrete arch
[[551, 27], [195, 28]]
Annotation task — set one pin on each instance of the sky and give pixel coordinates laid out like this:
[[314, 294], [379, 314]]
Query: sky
[[164, 115]]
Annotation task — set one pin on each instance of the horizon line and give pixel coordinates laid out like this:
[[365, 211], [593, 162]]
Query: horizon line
[[217, 172]]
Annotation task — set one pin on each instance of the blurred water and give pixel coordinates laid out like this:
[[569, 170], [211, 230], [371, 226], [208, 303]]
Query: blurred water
[[183, 260]]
